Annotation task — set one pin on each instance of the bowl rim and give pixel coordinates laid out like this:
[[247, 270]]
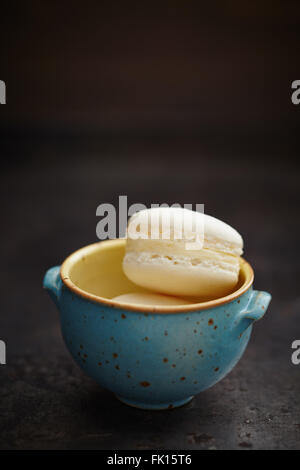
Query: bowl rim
[[88, 249]]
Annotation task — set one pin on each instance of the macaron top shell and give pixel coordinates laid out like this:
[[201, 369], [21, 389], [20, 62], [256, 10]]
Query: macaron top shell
[[186, 226]]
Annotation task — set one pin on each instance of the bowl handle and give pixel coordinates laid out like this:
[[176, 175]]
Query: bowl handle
[[52, 283], [256, 308]]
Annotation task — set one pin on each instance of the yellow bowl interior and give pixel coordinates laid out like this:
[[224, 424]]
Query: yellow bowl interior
[[95, 272]]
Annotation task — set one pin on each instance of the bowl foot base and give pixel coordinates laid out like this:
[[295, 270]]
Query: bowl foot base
[[154, 406]]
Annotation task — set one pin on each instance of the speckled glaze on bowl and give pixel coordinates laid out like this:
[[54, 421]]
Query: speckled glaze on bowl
[[151, 358]]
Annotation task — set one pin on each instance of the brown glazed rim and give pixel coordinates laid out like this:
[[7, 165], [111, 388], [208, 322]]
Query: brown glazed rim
[[87, 250]]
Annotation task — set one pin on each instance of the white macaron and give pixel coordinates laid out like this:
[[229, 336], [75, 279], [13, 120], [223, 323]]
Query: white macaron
[[180, 252]]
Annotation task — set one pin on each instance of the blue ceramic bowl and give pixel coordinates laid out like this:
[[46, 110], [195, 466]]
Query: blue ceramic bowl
[[150, 357]]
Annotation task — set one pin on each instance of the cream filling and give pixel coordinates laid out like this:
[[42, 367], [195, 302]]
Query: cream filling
[[171, 247], [207, 259], [223, 246]]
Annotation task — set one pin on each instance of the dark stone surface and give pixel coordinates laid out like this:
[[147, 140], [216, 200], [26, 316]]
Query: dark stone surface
[[51, 195]]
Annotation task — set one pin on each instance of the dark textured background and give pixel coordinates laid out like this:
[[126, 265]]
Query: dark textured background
[[176, 103]]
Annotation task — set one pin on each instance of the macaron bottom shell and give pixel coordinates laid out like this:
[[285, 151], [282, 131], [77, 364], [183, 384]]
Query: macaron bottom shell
[[199, 280]]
